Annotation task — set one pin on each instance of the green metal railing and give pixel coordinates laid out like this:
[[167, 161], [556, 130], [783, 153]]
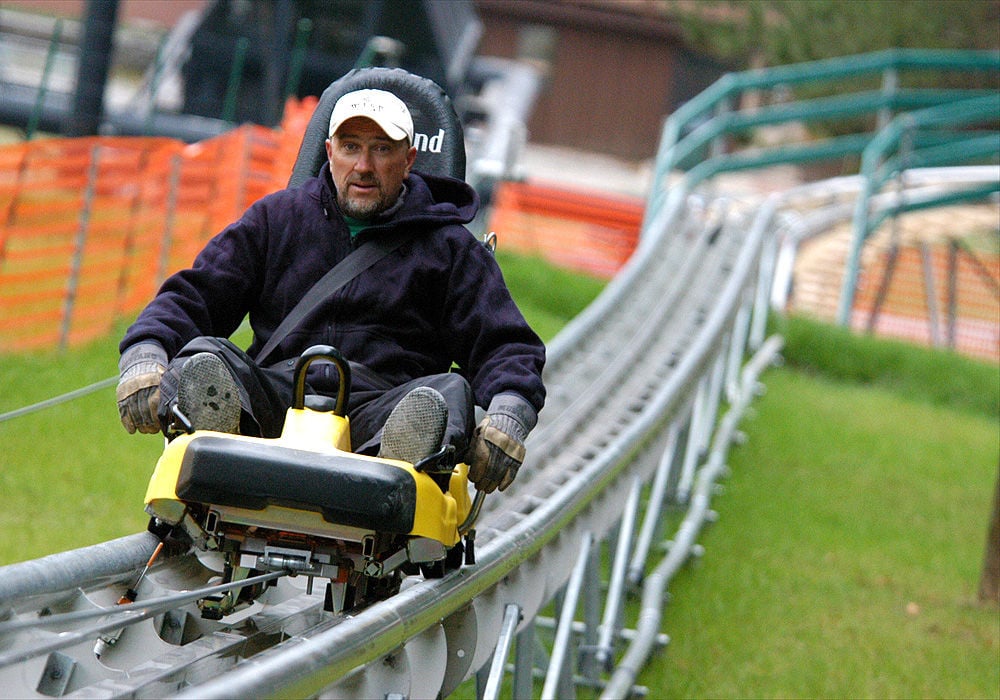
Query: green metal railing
[[930, 137], [912, 127], [43, 85]]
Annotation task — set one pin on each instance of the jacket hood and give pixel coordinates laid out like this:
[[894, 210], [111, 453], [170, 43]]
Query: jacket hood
[[429, 199]]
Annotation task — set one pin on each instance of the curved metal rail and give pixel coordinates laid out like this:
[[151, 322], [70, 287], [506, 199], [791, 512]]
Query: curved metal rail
[[647, 360], [629, 432]]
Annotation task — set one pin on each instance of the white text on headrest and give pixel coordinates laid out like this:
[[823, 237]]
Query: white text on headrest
[[431, 144]]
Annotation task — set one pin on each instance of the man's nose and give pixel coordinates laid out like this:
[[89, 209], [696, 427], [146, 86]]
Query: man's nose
[[363, 162]]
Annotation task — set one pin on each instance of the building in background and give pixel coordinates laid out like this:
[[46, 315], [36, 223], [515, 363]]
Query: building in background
[[612, 70]]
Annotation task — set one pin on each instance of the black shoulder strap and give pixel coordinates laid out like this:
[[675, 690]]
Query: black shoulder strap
[[360, 259]]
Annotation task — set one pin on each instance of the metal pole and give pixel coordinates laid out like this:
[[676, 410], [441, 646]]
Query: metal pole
[[714, 397], [511, 617], [861, 223], [851, 264], [50, 59], [73, 282], [524, 661], [616, 591], [981, 269], [737, 348], [654, 507], [170, 219], [952, 288], [892, 257], [765, 283], [154, 85], [648, 635], [235, 78], [930, 293], [304, 29], [278, 66], [692, 448], [718, 147], [92, 71], [890, 84], [555, 682], [591, 615]]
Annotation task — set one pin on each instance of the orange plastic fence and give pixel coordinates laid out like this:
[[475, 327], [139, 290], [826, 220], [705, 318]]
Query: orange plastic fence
[[936, 294], [90, 227], [584, 231]]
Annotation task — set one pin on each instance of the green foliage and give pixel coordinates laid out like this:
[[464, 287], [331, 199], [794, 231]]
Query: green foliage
[[766, 33], [793, 31], [843, 28], [938, 377]]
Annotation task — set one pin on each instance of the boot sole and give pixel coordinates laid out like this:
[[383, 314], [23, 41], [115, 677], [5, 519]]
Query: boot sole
[[416, 426], [207, 394]]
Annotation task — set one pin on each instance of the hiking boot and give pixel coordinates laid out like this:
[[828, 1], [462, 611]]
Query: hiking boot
[[415, 428], [207, 394]]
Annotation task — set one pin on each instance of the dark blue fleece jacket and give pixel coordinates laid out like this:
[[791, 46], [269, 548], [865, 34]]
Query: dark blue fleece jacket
[[438, 300]]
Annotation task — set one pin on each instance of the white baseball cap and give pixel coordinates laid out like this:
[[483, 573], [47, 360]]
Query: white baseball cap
[[383, 108]]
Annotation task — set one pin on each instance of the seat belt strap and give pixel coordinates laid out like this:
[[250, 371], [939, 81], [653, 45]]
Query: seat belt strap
[[359, 260]]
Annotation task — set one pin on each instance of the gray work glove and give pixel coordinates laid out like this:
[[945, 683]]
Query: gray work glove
[[497, 448], [138, 394]]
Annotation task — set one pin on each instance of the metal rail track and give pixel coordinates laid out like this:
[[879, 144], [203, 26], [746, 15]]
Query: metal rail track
[[634, 384]]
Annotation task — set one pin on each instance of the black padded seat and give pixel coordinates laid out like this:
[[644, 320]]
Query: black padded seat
[[431, 108], [346, 490]]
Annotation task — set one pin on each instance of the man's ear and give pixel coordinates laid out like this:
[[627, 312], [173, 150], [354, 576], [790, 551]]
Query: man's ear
[[411, 157], [329, 150]]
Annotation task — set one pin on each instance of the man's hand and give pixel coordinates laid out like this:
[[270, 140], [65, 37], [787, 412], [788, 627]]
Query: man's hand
[[497, 449], [138, 391]]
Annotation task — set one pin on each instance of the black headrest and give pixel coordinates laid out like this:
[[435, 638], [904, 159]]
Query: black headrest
[[437, 129]]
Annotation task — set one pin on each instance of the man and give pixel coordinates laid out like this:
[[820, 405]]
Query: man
[[437, 302]]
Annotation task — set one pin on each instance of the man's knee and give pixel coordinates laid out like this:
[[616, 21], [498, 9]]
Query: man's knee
[[452, 384]]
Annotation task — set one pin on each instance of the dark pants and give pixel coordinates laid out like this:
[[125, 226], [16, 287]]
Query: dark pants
[[266, 394]]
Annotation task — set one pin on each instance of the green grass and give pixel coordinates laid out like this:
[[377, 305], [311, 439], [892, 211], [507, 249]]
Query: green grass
[[547, 295], [71, 474], [851, 536]]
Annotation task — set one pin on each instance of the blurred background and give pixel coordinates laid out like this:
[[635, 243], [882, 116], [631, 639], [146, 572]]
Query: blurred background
[[564, 103]]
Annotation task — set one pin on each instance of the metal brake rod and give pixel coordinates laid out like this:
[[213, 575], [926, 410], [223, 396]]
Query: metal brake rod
[[123, 616]]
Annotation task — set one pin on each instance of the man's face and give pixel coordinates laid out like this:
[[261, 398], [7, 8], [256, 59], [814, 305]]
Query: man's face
[[367, 167]]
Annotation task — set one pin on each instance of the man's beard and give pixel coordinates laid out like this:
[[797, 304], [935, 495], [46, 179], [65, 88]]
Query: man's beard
[[363, 209]]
